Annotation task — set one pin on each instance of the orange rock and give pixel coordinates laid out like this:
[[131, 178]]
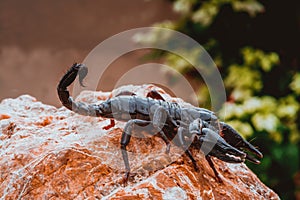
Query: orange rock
[[4, 116], [68, 156], [45, 121]]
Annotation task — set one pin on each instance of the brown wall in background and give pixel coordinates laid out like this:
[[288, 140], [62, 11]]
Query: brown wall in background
[[39, 40]]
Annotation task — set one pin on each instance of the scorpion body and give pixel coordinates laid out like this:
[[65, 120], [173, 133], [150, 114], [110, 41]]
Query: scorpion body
[[172, 122]]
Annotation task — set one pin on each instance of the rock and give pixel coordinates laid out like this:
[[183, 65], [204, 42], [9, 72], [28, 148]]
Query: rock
[[53, 153]]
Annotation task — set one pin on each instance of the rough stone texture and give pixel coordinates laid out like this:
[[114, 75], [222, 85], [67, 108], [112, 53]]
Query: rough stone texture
[[50, 153]]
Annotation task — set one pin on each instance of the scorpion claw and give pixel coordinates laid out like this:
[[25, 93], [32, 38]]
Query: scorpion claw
[[235, 139], [214, 145], [252, 159]]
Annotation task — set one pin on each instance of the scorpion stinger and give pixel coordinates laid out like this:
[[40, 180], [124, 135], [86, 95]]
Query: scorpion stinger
[[67, 80], [67, 100]]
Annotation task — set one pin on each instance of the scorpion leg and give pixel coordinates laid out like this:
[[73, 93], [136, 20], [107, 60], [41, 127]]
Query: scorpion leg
[[180, 134], [235, 139], [159, 115], [125, 139], [161, 119], [189, 154], [166, 140], [211, 164], [112, 124], [212, 144], [112, 121]]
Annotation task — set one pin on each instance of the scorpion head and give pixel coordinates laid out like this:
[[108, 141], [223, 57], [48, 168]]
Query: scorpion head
[[211, 143]]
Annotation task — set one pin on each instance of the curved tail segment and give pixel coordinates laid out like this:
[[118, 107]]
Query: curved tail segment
[[64, 95]]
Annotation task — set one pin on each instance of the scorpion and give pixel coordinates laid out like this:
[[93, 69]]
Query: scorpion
[[196, 126]]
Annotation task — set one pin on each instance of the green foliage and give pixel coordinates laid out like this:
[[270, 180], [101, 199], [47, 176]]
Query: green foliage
[[208, 10], [295, 84], [262, 86]]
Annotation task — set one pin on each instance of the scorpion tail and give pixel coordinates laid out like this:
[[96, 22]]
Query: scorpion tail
[[66, 81]]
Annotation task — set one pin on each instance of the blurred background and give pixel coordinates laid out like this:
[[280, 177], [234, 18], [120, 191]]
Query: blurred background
[[40, 40], [255, 45]]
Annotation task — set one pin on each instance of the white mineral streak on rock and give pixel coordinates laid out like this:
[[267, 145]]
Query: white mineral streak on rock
[[174, 193]]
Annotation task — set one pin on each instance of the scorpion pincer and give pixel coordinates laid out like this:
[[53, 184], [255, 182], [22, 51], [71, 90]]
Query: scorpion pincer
[[186, 127]]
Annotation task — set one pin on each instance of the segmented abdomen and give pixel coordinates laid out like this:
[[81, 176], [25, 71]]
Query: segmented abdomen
[[131, 107]]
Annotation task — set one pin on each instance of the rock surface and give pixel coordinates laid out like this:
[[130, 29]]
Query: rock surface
[[50, 153]]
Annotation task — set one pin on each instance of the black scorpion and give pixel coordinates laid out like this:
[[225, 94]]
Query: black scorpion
[[183, 126]]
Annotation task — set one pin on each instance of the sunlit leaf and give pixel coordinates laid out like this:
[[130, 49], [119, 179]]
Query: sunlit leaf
[[250, 6], [295, 84], [205, 14]]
